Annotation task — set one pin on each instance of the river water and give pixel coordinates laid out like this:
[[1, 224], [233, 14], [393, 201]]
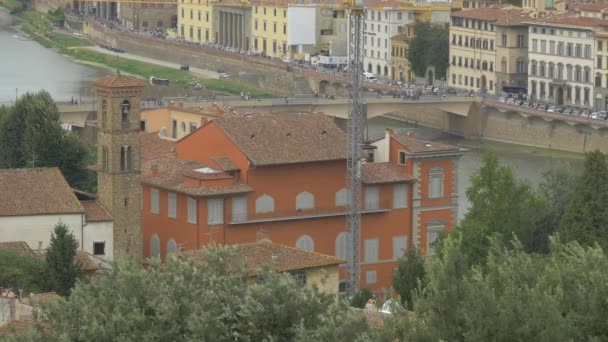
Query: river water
[[27, 66]]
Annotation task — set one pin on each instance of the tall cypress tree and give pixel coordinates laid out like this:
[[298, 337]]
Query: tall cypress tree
[[62, 267], [586, 217]]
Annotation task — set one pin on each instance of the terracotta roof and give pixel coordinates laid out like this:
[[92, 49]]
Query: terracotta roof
[[95, 212], [504, 15], [281, 258], [592, 7], [152, 146], [402, 37], [226, 163], [381, 173], [375, 319], [36, 191], [570, 19], [415, 145], [170, 175], [287, 138], [17, 326], [17, 246], [118, 81]]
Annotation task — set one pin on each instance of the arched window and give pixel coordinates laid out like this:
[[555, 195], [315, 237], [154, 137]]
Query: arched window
[[125, 107], [341, 245], [305, 200], [306, 243], [264, 204], [521, 66], [171, 247], [104, 113], [434, 229], [154, 246], [378, 70], [369, 67], [104, 158], [436, 182], [341, 197], [125, 158], [533, 69], [385, 71], [183, 126]]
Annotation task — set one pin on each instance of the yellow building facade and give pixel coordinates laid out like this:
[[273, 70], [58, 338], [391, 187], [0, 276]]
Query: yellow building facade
[[269, 29], [400, 65], [195, 21]]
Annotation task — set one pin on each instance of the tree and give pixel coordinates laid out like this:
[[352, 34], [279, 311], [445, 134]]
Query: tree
[[516, 297], [360, 299], [31, 136], [586, 217], [557, 189], [501, 207], [61, 264], [21, 272], [409, 276], [429, 47], [213, 299]]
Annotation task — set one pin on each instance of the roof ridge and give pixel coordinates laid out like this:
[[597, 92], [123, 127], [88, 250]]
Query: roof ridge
[[292, 248]]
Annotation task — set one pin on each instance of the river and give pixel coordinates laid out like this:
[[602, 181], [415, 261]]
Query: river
[[26, 66]]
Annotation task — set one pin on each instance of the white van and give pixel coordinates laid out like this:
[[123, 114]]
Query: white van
[[368, 76]]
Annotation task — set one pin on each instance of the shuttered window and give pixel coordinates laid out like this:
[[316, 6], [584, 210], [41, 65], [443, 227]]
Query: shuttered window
[[305, 200], [215, 211], [370, 277], [154, 246], [372, 197], [399, 246], [371, 250], [191, 210], [399, 196], [239, 209], [172, 205], [341, 197], [154, 199], [436, 182], [341, 245], [305, 242]]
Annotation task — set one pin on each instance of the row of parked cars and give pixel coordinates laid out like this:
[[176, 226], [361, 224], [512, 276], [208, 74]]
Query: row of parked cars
[[566, 110]]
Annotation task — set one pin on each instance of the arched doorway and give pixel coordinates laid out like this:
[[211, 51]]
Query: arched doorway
[[369, 67], [483, 86], [429, 77], [385, 71], [378, 70], [559, 97]]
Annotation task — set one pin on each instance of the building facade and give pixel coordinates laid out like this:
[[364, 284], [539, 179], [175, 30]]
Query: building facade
[[195, 21], [118, 158], [562, 60], [270, 28], [488, 49], [282, 179], [400, 65]]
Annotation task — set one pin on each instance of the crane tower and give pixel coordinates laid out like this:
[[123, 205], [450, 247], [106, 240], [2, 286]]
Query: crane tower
[[356, 126]]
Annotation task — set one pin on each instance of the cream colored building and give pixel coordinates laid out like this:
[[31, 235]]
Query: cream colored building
[[562, 60], [195, 20], [488, 48]]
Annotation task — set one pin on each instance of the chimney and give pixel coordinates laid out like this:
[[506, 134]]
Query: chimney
[[389, 133], [154, 169]]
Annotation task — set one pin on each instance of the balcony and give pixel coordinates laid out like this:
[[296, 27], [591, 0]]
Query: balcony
[[303, 214]]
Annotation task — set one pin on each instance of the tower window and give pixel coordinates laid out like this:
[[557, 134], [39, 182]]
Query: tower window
[[104, 113], [125, 158], [125, 107], [99, 248], [104, 158]]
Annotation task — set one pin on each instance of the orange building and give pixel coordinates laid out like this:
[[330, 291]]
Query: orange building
[[283, 179]]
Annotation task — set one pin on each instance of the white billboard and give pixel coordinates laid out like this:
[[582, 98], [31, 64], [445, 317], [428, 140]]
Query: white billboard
[[301, 26]]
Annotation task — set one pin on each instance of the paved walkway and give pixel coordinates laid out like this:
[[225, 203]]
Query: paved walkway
[[196, 71]]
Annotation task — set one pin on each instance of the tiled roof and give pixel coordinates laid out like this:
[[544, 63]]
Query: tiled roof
[[16, 246], [36, 191], [170, 175], [402, 37], [280, 258], [504, 15], [420, 146], [85, 260], [95, 212], [382, 173], [226, 163], [152, 146], [570, 19], [287, 138], [592, 7], [17, 326], [375, 319], [118, 81]]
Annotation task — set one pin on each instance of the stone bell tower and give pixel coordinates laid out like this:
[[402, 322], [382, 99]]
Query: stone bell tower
[[118, 159]]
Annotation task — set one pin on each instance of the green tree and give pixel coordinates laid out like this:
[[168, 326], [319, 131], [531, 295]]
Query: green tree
[[31, 135], [360, 298], [516, 297], [61, 265], [501, 207], [409, 276], [557, 189], [586, 217], [429, 47], [213, 299], [21, 272]]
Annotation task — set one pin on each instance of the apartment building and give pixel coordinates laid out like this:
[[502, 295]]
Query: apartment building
[[562, 59], [270, 28], [283, 179], [400, 65], [195, 20], [383, 20], [488, 48]]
